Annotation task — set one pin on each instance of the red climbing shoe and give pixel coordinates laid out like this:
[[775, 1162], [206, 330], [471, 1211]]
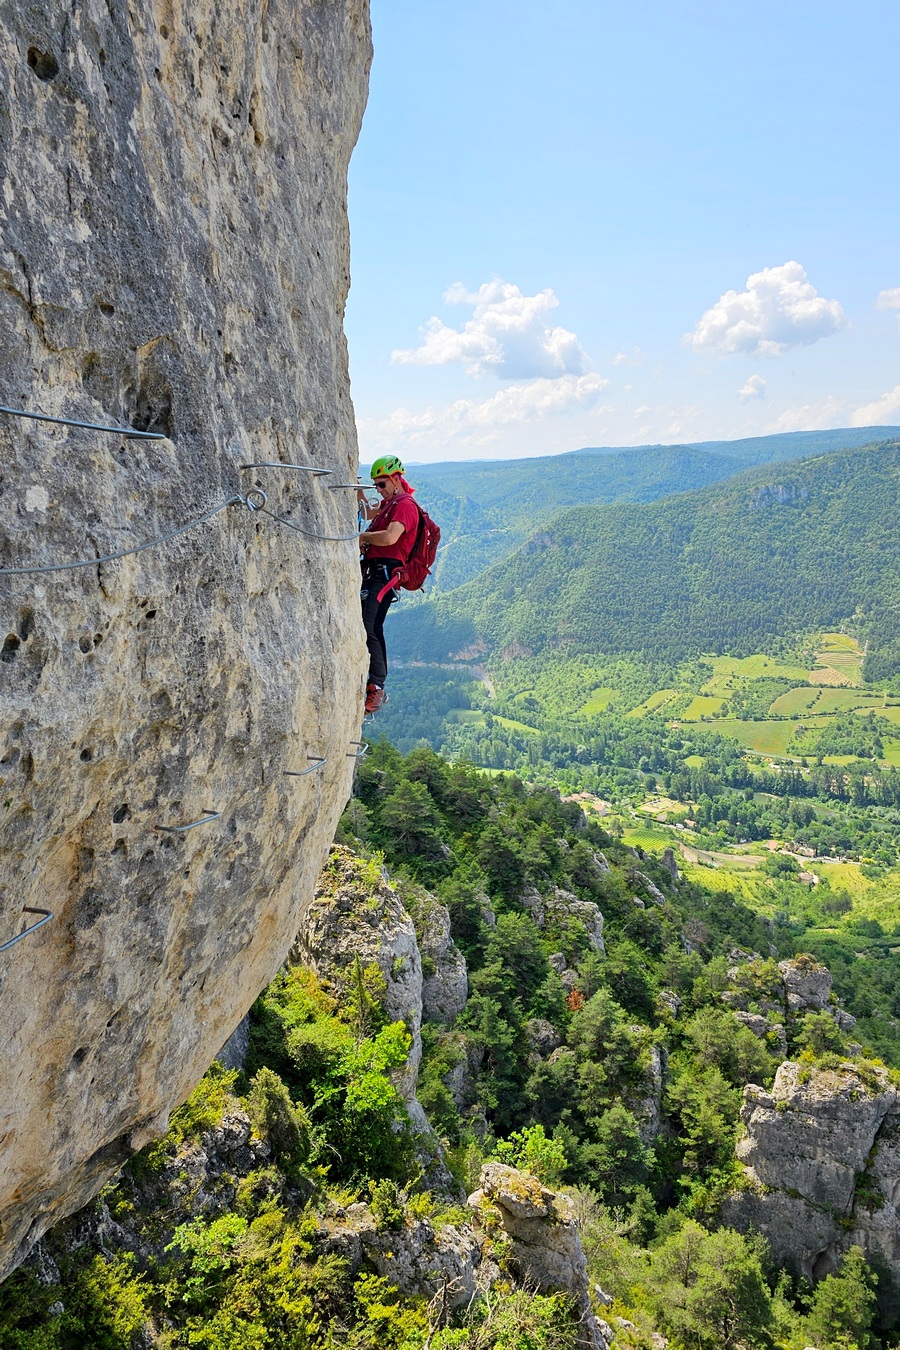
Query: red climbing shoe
[[374, 698]]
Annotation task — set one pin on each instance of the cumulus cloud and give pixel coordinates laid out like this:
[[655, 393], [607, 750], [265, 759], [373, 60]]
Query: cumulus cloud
[[883, 411], [508, 335], [476, 421], [754, 388], [889, 299], [779, 309]]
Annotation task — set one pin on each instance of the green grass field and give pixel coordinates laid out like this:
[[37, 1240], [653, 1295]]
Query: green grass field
[[847, 700], [837, 642], [795, 702], [598, 700], [755, 668], [640, 835], [702, 705], [469, 715], [516, 726], [768, 738], [654, 702]]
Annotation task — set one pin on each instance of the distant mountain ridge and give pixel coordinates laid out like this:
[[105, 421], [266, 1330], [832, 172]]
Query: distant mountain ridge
[[775, 448], [772, 551], [487, 509]]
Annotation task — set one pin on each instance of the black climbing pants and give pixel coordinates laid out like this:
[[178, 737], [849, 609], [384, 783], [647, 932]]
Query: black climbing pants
[[375, 576]]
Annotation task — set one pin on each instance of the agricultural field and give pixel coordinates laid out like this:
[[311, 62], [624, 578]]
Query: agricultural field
[[700, 706], [599, 701], [512, 725], [731, 671], [766, 738], [795, 702], [655, 702]]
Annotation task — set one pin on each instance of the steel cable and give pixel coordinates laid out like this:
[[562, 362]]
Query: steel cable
[[127, 552], [326, 538]]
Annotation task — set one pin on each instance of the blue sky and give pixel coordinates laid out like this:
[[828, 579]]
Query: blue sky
[[611, 224]]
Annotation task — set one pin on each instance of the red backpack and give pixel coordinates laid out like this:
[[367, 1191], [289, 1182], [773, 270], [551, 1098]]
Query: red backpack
[[411, 576]]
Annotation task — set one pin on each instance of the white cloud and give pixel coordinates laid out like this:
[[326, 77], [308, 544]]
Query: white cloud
[[779, 309], [754, 388], [477, 422], [623, 358], [889, 299], [508, 335], [811, 417], [883, 411]]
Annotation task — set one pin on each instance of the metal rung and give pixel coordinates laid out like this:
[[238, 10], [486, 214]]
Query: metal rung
[[358, 754], [358, 487], [275, 464], [26, 909], [130, 433], [301, 773], [183, 829]]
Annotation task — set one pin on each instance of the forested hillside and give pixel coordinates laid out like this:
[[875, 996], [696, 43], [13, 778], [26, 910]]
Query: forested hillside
[[725, 569], [598, 1036], [487, 510]]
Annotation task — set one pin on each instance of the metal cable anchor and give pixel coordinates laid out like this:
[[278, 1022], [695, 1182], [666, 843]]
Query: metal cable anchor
[[27, 909], [130, 433], [301, 773], [183, 829]]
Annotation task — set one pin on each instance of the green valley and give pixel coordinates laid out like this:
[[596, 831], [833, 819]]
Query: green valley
[[489, 509], [729, 569]]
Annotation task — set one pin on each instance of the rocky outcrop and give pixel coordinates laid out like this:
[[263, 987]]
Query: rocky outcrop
[[545, 1250], [643, 882], [647, 1105], [445, 982], [821, 1153], [769, 998], [556, 908], [416, 1257], [174, 258], [356, 920]]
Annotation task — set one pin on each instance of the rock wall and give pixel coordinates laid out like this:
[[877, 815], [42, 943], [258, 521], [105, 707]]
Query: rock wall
[[822, 1161], [173, 257]]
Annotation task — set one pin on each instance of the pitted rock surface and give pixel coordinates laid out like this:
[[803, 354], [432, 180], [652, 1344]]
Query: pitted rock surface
[[173, 257]]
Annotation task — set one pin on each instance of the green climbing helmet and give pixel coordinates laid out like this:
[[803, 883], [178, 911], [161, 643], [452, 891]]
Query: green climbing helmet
[[386, 466]]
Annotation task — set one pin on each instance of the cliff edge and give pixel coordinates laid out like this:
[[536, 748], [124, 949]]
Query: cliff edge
[[173, 258]]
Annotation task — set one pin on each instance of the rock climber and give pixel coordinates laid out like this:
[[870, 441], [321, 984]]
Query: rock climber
[[385, 546]]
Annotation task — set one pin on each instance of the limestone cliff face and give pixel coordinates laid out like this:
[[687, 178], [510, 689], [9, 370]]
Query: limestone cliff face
[[173, 256], [823, 1166]]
